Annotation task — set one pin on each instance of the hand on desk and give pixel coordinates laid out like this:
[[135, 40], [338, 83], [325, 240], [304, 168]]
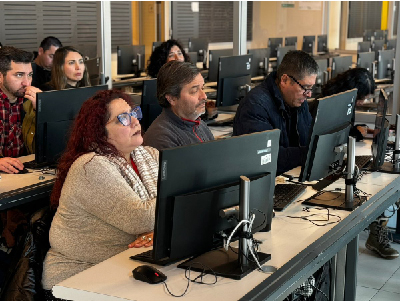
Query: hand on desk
[[10, 165], [30, 93], [143, 240]]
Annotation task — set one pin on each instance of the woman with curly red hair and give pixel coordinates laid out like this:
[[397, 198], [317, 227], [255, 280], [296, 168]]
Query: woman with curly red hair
[[105, 191]]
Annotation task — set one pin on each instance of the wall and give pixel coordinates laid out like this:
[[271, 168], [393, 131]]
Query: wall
[[271, 20]]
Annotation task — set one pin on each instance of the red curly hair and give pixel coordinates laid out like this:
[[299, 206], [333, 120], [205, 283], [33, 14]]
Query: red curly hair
[[88, 134]]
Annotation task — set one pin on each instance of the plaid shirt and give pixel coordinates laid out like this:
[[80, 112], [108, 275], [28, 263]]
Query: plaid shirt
[[11, 143]]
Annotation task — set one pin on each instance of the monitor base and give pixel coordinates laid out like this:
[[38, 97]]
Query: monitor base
[[388, 167], [223, 263], [333, 199]]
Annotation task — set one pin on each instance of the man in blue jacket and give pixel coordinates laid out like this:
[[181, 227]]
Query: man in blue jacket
[[280, 102]]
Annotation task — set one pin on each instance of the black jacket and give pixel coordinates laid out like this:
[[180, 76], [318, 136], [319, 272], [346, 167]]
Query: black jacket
[[264, 109]]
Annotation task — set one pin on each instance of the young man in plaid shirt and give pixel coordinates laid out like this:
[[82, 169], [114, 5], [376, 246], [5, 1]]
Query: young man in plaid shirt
[[15, 77]]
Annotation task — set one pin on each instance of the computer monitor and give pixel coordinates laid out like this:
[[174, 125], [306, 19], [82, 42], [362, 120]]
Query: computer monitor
[[367, 35], [340, 64], [200, 46], [363, 47], [213, 59], [281, 52], [322, 43], [193, 57], [89, 51], [93, 68], [330, 126], [234, 79], [149, 104], [308, 44], [260, 62], [273, 44], [385, 64], [391, 44], [366, 60], [55, 113], [381, 132], [322, 75], [291, 41], [190, 199], [379, 34], [131, 59], [155, 45], [327, 146], [376, 46]]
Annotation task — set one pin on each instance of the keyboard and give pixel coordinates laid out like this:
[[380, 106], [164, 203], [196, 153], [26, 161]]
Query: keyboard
[[285, 194], [147, 256], [34, 165]]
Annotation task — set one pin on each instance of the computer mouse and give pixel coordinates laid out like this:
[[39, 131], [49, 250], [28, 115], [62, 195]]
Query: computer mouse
[[23, 171], [149, 274]]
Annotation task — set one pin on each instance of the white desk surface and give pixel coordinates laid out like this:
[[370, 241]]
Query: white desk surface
[[9, 182], [112, 279]]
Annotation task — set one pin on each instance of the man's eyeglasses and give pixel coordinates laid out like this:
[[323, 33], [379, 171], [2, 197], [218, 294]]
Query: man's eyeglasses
[[125, 118], [306, 91]]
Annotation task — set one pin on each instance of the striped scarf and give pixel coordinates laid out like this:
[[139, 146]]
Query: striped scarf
[[146, 187]]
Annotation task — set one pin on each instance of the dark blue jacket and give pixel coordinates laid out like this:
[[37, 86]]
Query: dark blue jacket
[[264, 109]]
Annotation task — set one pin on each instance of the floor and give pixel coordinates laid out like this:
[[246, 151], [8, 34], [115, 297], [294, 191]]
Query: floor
[[377, 279]]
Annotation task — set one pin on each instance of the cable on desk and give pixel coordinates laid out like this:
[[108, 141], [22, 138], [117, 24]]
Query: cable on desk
[[313, 221]]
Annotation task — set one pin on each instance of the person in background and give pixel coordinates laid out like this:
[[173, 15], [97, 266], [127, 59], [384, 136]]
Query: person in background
[[280, 102], [360, 78], [44, 61], [68, 71], [105, 190], [180, 92], [15, 78], [170, 50]]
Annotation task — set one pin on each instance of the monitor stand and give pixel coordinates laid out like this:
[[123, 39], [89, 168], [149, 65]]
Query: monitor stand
[[394, 166], [234, 263], [342, 201]]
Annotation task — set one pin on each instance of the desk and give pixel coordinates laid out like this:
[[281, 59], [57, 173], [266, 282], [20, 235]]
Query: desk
[[298, 249], [18, 189]]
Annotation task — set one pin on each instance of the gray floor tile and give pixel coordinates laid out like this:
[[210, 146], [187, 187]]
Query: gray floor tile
[[365, 293], [393, 284], [386, 296]]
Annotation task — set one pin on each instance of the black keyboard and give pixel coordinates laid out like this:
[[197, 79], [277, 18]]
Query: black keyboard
[[285, 194], [34, 165], [363, 161], [147, 256]]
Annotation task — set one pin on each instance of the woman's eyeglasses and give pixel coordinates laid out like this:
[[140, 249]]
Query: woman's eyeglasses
[[125, 118]]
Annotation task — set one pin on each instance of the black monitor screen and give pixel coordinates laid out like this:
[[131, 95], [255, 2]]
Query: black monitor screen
[[322, 75], [330, 129], [214, 56], [379, 34], [210, 165], [308, 44], [234, 73], [381, 131], [131, 59], [340, 64], [260, 62], [367, 35], [55, 113], [322, 43], [155, 45], [281, 52], [365, 60], [291, 41], [391, 44], [89, 51], [273, 44], [385, 63], [149, 105]]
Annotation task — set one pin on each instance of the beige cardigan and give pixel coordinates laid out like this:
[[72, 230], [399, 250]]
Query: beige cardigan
[[98, 216]]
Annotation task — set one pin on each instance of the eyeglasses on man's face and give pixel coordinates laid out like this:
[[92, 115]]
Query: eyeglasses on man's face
[[306, 91], [125, 118]]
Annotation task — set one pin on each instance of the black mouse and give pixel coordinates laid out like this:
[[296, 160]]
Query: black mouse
[[149, 274], [23, 171]]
